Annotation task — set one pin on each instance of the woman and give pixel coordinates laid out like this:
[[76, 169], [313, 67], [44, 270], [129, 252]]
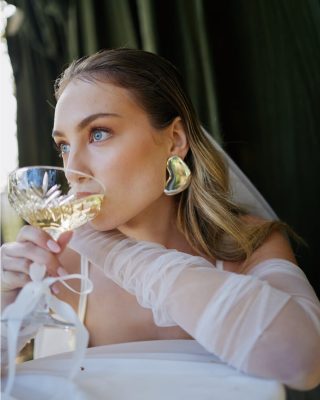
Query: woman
[[177, 257]]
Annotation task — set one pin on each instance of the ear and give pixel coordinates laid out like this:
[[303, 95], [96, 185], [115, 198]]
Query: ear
[[179, 140]]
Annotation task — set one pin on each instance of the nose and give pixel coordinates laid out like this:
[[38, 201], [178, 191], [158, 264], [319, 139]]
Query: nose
[[76, 161], [75, 178]]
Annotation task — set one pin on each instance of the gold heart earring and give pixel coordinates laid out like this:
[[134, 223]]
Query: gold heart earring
[[179, 176]]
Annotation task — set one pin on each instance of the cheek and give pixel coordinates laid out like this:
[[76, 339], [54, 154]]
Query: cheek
[[132, 184], [131, 170], [137, 180]]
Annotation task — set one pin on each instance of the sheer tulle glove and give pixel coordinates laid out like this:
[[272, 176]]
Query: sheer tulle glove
[[266, 323], [144, 269]]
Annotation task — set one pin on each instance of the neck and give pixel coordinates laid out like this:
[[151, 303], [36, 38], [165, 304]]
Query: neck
[[158, 224]]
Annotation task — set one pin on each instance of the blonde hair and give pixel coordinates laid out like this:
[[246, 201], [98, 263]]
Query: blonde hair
[[212, 223]]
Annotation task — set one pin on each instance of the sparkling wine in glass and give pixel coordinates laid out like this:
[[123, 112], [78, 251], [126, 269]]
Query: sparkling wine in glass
[[56, 200]]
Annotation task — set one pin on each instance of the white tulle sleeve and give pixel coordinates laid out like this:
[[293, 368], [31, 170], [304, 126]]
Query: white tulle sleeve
[[266, 323]]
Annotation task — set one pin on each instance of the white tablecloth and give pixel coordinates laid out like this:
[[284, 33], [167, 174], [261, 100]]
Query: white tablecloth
[[167, 369]]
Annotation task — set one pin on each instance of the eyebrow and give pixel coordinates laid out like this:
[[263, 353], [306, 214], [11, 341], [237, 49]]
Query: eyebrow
[[86, 121]]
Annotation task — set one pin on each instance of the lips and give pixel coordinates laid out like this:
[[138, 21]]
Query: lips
[[80, 195]]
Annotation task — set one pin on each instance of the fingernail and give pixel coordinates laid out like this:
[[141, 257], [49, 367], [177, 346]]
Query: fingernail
[[55, 289], [61, 271], [53, 246]]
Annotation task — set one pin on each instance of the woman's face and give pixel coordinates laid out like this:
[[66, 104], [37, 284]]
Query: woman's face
[[101, 130]]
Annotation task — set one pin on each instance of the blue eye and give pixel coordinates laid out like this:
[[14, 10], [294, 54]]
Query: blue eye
[[62, 148], [98, 135]]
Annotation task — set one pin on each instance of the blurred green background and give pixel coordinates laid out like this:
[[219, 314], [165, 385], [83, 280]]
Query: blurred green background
[[252, 69]]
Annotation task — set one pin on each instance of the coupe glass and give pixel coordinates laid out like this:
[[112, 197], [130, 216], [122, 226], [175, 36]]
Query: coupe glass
[[56, 200]]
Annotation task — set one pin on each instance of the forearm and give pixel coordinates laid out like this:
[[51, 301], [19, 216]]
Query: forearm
[[261, 331], [289, 350]]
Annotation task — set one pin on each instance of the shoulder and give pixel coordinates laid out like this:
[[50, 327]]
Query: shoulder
[[276, 245]]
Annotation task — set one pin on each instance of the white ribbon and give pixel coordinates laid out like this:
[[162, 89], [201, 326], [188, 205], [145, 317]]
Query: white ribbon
[[31, 296]]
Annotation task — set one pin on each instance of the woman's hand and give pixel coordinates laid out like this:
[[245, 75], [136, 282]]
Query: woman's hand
[[33, 245]]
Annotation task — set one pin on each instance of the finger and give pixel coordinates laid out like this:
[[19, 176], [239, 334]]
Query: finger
[[55, 289], [35, 254], [13, 280], [15, 264], [64, 239], [39, 237]]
